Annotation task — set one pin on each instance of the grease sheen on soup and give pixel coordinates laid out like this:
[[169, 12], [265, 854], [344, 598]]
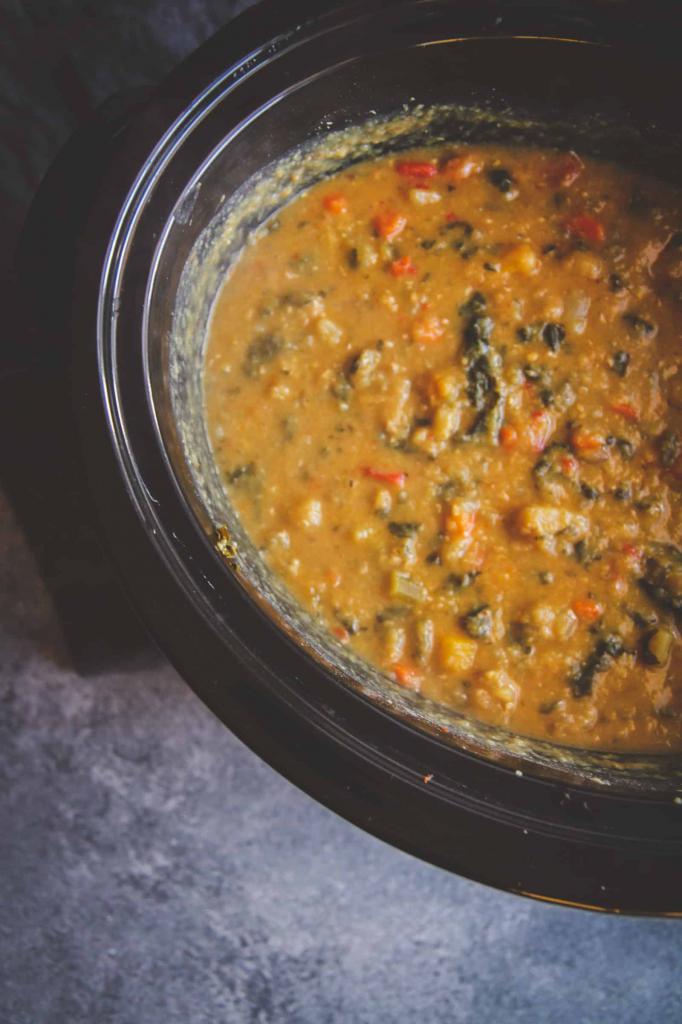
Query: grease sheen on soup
[[444, 391]]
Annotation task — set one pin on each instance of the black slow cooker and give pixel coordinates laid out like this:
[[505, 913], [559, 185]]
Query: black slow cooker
[[596, 830]]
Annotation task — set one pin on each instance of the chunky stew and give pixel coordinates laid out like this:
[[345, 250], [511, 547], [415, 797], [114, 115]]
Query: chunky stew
[[445, 394]]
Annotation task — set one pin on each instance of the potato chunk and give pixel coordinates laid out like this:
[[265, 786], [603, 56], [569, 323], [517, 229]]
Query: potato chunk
[[547, 521], [457, 653], [502, 687]]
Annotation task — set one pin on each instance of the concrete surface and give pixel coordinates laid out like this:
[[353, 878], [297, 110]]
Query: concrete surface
[[154, 871]]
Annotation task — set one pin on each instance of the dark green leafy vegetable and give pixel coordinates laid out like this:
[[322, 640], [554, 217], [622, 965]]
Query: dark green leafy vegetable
[[481, 382], [553, 335], [620, 363], [353, 259], [588, 492], [616, 283], [520, 634], [549, 460], [239, 472], [670, 552], [478, 623], [625, 447], [449, 489], [486, 396], [259, 353], [477, 334], [404, 529], [584, 554], [656, 646], [501, 178], [460, 581], [670, 447], [602, 657], [657, 586], [642, 621], [462, 227], [297, 300], [484, 388], [463, 231], [475, 304], [639, 324]]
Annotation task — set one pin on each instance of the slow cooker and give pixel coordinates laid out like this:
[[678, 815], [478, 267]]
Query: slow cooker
[[602, 831]]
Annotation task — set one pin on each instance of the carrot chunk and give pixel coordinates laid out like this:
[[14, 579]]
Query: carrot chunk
[[407, 676], [386, 476], [458, 168], [627, 410], [587, 609], [335, 203], [586, 227], [403, 267], [509, 437], [389, 225]]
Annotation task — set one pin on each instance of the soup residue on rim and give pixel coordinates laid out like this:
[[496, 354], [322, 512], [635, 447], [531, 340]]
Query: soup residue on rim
[[444, 391]]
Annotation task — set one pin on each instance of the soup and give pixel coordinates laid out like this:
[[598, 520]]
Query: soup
[[444, 391]]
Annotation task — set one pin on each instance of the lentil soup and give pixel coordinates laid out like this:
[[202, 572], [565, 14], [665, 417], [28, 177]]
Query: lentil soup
[[444, 391]]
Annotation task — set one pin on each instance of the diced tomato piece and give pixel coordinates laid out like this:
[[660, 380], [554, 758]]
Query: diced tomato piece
[[407, 676], [416, 168], [385, 475], [403, 267], [584, 226], [335, 203], [428, 329], [539, 430], [460, 167], [509, 437], [587, 609], [627, 410], [563, 171], [452, 218], [341, 634], [389, 225], [568, 464]]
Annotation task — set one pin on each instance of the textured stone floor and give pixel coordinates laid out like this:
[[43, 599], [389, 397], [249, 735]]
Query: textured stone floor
[[153, 870]]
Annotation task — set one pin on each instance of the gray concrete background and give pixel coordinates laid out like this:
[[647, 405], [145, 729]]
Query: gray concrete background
[[153, 870]]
